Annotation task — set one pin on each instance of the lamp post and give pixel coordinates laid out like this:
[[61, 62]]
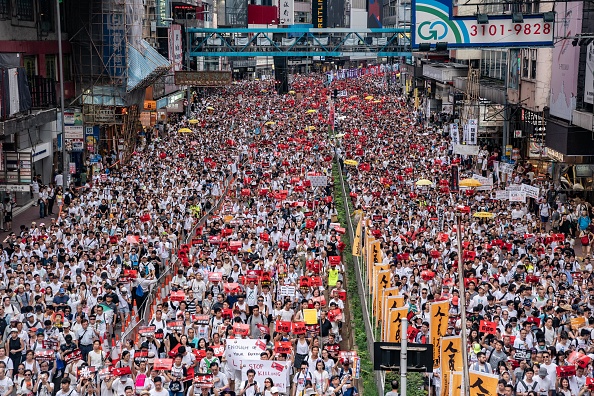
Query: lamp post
[[61, 75], [188, 50], [460, 211]]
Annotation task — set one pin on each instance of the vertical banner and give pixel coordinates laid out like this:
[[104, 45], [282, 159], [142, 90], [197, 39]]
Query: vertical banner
[[163, 12], [439, 314], [456, 383], [473, 131], [589, 86], [387, 294], [382, 285], [482, 384], [287, 12], [175, 47], [357, 241], [454, 179], [375, 286], [395, 324], [454, 134], [319, 14], [114, 44], [376, 252], [450, 351]]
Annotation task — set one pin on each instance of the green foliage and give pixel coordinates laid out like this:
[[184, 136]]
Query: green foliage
[[368, 386], [415, 385]]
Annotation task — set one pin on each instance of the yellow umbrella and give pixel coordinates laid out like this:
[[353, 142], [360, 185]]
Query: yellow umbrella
[[210, 108], [311, 128], [369, 97], [424, 182], [377, 101], [311, 111], [291, 92], [193, 121], [340, 135], [185, 130], [470, 183], [351, 162], [484, 215], [270, 123]]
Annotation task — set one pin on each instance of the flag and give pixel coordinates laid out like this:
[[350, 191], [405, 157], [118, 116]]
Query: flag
[[105, 307], [450, 351], [395, 324]]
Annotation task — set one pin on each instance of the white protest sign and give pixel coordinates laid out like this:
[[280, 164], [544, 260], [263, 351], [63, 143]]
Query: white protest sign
[[501, 195], [487, 182], [517, 196], [287, 291], [466, 149], [318, 181], [240, 350], [530, 191], [514, 187], [277, 371], [506, 169]]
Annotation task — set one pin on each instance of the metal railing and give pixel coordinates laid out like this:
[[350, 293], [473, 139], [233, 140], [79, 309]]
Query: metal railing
[[360, 273]]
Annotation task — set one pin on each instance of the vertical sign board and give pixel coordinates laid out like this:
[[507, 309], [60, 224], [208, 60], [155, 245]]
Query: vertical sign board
[[163, 12], [287, 12], [175, 47], [589, 88], [434, 21], [566, 59], [319, 13], [114, 44]]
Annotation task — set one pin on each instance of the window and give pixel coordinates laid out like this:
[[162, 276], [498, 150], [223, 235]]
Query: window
[[67, 68], [533, 57], [51, 67], [25, 10], [525, 62], [4, 7], [30, 65], [46, 15]]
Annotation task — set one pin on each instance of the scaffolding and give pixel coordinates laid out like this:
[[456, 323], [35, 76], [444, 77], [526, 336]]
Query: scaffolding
[[112, 67]]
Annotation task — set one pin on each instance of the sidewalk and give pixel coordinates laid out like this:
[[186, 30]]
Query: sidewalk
[[24, 216]]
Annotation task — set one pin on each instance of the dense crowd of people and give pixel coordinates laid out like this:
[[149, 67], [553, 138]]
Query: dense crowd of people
[[255, 300]]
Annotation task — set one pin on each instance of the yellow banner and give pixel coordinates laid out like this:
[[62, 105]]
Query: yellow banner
[[387, 294], [482, 384], [438, 325], [383, 278], [357, 241], [376, 252], [395, 324], [456, 381], [375, 286], [451, 362]]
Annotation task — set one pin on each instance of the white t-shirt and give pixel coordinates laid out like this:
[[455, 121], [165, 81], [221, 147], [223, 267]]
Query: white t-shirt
[[5, 384], [162, 392]]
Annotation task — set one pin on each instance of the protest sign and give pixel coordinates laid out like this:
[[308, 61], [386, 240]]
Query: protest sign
[[267, 368], [239, 350]]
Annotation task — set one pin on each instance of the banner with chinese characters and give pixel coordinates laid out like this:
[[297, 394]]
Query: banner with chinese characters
[[439, 314]]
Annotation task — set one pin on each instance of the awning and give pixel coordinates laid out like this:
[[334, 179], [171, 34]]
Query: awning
[[145, 65]]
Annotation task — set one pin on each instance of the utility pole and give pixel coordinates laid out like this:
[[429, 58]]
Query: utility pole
[[403, 355], [61, 75]]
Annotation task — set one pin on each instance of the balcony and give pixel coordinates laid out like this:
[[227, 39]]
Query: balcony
[[490, 89], [43, 92]]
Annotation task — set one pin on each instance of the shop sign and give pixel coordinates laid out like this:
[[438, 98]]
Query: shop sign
[[583, 170], [555, 155]]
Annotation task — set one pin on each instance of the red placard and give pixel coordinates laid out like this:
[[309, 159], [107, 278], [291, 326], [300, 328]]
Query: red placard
[[342, 295], [241, 329], [488, 327], [73, 356], [203, 380], [175, 324], [118, 372], [199, 353], [590, 383], [163, 364], [86, 372], [263, 328], [283, 326], [45, 355], [147, 331], [141, 356], [219, 350], [299, 328], [232, 288], [215, 276], [315, 281], [283, 347], [201, 319], [177, 296]]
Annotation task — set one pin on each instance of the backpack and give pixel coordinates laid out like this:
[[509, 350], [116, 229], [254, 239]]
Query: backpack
[[3, 324], [139, 291]]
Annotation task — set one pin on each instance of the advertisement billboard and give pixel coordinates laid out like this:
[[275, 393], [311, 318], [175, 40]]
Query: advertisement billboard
[[374, 13], [175, 47], [319, 14], [434, 21], [114, 44], [589, 85], [163, 12], [566, 59]]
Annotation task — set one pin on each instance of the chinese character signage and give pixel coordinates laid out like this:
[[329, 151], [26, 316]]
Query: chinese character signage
[[286, 12], [175, 47], [163, 12], [114, 44]]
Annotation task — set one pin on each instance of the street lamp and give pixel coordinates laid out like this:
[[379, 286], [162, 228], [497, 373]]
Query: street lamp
[[460, 211], [61, 74]]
